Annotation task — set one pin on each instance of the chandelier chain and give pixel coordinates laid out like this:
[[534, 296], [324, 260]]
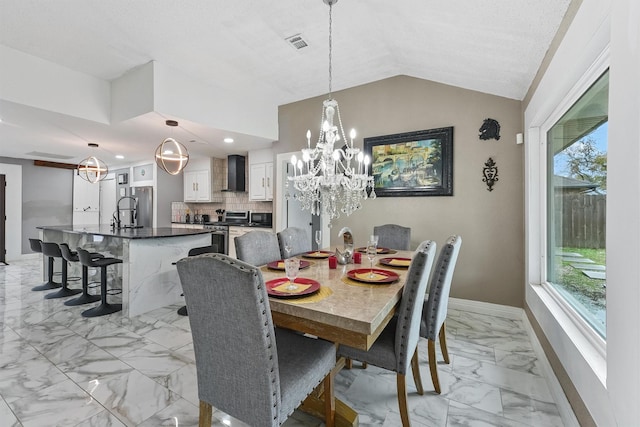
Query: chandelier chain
[[330, 49]]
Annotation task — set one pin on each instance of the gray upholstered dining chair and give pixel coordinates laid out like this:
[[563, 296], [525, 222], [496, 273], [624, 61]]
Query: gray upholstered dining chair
[[393, 236], [434, 311], [397, 346], [257, 247], [246, 367], [300, 241]]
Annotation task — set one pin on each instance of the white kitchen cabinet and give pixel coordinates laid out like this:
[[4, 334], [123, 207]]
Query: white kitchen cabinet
[[199, 185], [269, 176], [261, 181], [261, 175]]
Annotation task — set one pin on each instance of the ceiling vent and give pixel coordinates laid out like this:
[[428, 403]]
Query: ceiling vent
[[297, 41]]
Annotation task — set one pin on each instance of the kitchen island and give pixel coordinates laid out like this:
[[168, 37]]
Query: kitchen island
[[147, 276]]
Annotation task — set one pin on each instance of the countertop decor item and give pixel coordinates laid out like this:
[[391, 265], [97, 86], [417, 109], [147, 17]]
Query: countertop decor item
[[172, 156], [93, 169], [327, 179]]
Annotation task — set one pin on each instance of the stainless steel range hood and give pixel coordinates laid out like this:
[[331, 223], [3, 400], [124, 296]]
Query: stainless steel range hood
[[235, 173]]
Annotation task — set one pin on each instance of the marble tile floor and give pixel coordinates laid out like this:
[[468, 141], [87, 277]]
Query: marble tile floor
[[60, 369]]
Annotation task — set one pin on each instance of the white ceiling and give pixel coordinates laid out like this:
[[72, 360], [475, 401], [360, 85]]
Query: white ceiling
[[492, 46]]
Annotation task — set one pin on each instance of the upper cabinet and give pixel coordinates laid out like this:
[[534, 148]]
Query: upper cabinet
[[261, 179], [199, 182], [261, 175]]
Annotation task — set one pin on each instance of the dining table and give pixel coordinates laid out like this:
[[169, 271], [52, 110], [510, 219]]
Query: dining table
[[346, 308]]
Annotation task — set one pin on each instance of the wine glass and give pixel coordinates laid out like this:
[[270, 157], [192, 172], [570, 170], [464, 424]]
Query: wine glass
[[291, 267], [318, 238], [288, 245], [374, 239], [372, 251]]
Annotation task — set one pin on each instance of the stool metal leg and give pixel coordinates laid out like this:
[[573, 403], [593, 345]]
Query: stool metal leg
[[85, 298], [49, 284], [104, 307], [64, 291]]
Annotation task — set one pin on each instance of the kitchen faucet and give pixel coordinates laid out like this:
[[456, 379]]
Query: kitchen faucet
[[118, 222]]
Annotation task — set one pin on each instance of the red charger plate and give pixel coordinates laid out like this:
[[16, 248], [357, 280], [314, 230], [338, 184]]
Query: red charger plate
[[388, 261], [317, 254], [274, 283], [389, 276], [274, 265], [380, 250]]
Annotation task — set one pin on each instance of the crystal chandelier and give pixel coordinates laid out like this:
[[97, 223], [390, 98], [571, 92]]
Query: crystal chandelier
[[328, 179]]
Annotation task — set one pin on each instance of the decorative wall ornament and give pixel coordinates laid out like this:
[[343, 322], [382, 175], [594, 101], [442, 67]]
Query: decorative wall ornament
[[490, 129], [490, 173]]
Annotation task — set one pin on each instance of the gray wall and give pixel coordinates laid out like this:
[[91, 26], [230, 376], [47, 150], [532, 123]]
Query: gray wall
[[491, 263], [170, 189], [47, 197]]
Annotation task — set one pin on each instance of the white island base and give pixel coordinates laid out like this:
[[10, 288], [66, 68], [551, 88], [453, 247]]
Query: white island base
[[147, 276]]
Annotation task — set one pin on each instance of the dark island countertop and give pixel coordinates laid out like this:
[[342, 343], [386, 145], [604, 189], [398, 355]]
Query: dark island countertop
[[125, 233], [242, 224]]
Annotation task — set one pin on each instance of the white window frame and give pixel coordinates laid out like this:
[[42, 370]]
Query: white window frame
[[539, 292], [588, 79]]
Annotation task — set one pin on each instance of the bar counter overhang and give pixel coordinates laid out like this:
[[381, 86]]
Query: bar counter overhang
[[147, 276]]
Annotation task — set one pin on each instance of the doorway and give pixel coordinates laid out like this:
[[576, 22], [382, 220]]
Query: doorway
[[289, 213]]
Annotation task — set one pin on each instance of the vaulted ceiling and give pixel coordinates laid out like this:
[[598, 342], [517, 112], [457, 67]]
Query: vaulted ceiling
[[111, 72]]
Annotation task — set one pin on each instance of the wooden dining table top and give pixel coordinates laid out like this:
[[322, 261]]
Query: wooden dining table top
[[353, 314]]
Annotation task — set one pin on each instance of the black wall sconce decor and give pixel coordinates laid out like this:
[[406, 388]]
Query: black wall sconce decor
[[490, 129], [490, 173]]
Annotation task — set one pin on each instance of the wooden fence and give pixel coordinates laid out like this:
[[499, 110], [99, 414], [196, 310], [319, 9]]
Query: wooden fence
[[580, 220]]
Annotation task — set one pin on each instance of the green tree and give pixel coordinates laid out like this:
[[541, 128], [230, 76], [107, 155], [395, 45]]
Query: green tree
[[586, 162]]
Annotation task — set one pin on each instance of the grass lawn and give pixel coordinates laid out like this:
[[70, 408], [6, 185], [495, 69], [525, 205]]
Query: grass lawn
[[577, 283]]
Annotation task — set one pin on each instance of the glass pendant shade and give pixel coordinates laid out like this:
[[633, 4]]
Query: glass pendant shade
[[92, 169], [172, 156]]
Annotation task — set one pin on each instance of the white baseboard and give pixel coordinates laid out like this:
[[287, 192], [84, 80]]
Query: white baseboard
[[486, 308], [566, 412]]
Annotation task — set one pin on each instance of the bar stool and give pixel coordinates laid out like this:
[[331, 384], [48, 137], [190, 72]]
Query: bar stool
[[36, 246], [52, 250], [104, 307], [70, 256]]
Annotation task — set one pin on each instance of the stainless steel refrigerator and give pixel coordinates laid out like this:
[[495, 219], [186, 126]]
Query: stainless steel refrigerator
[[144, 212]]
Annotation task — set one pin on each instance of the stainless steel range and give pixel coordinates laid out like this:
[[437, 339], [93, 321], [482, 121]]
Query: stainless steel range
[[219, 237], [220, 230]]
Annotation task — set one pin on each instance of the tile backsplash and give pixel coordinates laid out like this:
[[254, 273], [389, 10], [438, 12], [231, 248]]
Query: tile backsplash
[[230, 202]]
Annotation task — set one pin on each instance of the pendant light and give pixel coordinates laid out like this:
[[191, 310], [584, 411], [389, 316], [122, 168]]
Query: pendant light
[[172, 156], [92, 169]]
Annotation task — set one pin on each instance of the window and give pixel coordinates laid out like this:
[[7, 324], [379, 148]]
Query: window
[[576, 204]]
